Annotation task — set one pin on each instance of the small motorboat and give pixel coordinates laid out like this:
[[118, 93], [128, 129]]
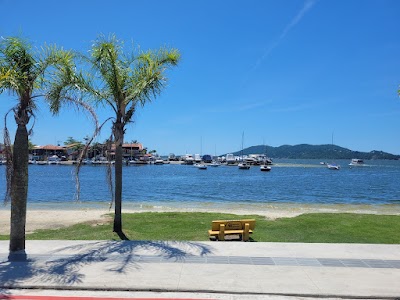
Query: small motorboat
[[214, 164], [265, 168], [158, 162], [201, 166], [356, 162], [333, 167], [243, 166]]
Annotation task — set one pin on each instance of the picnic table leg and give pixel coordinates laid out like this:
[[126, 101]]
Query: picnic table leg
[[221, 234], [246, 233]]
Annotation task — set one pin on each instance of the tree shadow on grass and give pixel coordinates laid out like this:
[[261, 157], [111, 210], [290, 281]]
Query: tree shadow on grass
[[65, 266]]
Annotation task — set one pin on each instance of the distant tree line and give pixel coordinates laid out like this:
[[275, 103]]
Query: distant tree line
[[305, 151]]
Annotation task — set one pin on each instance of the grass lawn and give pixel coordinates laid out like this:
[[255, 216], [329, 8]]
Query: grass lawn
[[307, 228]]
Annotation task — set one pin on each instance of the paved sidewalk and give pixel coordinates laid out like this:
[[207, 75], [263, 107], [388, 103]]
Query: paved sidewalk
[[329, 270]]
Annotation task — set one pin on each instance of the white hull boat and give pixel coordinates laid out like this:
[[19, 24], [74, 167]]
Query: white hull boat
[[333, 167], [265, 168], [243, 166], [201, 166], [214, 164], [356, 162]]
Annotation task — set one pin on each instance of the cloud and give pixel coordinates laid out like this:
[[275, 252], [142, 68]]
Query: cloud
[[308, 4]]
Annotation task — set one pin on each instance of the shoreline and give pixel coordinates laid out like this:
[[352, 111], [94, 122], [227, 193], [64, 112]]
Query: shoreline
[[58, 216]]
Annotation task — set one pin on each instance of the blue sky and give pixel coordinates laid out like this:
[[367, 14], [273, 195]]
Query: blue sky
[[283, 72]]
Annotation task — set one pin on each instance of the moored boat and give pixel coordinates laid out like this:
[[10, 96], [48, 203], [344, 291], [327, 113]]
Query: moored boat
[[356, 162], [333, 167], [265, 168], [158, 162], [201, 166], [243, 166]]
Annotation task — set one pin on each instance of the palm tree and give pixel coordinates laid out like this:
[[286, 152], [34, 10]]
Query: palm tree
[[30, 74], [22, 73], [122, 82]]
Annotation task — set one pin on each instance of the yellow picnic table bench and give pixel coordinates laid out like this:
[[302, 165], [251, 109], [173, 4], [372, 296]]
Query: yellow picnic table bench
[[221, 228]]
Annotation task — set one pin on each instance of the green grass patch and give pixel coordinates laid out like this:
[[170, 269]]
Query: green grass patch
[[307, 228]]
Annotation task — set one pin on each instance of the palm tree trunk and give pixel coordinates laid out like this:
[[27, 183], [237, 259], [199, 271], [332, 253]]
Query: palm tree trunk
[[119, 137], [19, 189]]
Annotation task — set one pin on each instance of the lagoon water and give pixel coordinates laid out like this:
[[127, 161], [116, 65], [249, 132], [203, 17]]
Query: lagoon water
[[294, 182]]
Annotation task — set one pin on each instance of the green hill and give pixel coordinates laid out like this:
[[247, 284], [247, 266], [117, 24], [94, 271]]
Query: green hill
[[305, 151]]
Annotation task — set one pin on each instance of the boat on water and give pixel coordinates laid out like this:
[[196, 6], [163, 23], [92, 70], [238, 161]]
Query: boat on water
[[265, 161], [201, 166], [333, 167], [158, 162], [214, 164], [53, 160], [87, 161], [243, 166], [265, 168], [137, 162], [356, 162]]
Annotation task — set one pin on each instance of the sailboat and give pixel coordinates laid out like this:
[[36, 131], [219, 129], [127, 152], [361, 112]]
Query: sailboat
[[264, 167], [215, 162], [197, 158], [333, 166], [242, 165]]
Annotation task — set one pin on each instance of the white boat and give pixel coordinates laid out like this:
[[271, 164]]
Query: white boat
[[265, 168], [201, 166], [214, 164], [137, 162], [188, 159], [356, 162], [197, 158], [243, 166], [333, 167], [53, 160], [158, 162], [87, 161], [230, 159]]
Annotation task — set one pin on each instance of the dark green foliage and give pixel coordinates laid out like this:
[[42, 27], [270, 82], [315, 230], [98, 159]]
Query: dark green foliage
[[305, 151]]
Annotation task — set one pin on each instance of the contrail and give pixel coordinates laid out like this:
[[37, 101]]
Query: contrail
[[306, 7]]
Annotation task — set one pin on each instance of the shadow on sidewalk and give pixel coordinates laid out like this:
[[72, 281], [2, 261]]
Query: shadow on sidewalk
[[63, 266]]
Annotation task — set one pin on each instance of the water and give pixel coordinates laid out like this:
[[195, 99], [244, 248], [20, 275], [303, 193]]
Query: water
[[298, 182]]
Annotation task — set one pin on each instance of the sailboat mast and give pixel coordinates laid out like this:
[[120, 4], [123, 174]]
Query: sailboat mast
[[201, 145], [242, 145]]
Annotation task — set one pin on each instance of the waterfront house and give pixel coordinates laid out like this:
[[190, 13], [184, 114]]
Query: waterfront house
[[129, 151], [44, 152]]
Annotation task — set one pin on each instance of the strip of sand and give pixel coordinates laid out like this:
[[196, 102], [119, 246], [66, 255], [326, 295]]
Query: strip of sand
[[58, 218]]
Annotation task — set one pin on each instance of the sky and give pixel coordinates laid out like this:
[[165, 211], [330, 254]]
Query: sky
[[278, 72]]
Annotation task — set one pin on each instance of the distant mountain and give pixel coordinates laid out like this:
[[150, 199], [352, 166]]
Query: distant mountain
[[305, 151]]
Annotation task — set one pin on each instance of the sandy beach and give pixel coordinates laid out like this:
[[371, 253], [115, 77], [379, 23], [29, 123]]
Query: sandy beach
[[57, 218]]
